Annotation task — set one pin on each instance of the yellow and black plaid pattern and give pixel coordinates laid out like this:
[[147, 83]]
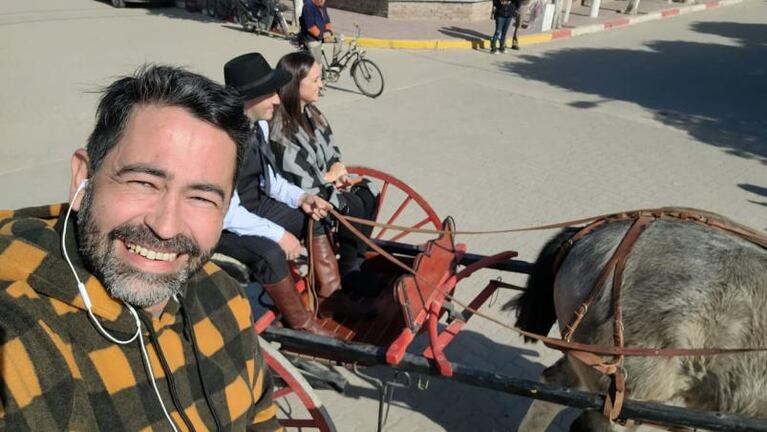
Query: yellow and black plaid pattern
[[59, 373]]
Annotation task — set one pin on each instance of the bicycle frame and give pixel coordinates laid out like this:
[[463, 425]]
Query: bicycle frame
[[341, 61], [243, 8]]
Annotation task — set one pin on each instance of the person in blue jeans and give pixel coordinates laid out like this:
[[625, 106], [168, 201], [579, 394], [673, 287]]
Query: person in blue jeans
[[503, 12]]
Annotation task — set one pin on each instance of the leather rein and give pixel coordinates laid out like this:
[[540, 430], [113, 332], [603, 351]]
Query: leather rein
[[589, 354]]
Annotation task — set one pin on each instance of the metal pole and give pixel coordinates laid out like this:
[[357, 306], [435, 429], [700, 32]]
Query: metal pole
[[516, 266], [568, 7], [298, 7], [557, 22], [364, 354], [595, 8]]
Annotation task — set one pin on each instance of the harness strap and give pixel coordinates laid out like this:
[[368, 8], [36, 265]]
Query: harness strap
[[616, 260], [699, 216], [587, 353], [615, 395], [553, 343]]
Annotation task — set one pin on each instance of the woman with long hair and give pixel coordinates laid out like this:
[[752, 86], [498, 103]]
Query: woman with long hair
[[308, 156]]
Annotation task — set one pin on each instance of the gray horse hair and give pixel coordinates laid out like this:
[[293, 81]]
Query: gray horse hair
[[685, 285]]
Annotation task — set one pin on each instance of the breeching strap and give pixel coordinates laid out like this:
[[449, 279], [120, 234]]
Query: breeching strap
[[558, 344], [692, 215], [587, 353]]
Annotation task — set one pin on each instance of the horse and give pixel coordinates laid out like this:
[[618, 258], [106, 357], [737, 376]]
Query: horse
[[685, 285]]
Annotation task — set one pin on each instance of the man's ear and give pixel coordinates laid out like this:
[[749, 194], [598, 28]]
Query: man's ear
[[80, 162]]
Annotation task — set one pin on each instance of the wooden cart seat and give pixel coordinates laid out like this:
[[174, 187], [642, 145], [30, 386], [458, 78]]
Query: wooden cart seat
[[405, 306]]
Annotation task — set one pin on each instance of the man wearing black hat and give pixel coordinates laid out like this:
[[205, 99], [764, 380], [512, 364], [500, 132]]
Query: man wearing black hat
[[263, 224]]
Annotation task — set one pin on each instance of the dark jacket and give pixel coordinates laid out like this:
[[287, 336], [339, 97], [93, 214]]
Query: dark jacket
[[506, 8], [59, 373], [252, 185], [249, 185], [314, 22]]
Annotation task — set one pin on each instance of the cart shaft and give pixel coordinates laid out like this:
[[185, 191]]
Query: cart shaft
[[364, 354], [512, 265]]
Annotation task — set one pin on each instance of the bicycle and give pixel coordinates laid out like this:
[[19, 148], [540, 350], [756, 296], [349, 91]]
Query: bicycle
[[367, 75], [260, 19]]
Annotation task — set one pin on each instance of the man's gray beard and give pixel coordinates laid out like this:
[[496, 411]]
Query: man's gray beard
[[123, 281]]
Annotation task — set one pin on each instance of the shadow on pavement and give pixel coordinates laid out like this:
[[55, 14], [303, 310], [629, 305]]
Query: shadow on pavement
[[758, 190], [464, 33], [446, 403], [713, 91], [343, 89]]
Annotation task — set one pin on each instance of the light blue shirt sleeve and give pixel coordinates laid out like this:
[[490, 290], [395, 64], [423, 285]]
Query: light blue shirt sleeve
[[284, 191], [244, 223]]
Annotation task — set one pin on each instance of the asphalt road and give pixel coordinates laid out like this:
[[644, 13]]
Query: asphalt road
[[664, 113]]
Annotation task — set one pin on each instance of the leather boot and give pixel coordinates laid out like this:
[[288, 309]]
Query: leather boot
[[332, 300], [294, 314]]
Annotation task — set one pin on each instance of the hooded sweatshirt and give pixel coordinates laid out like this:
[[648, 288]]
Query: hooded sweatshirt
[[60, 373]]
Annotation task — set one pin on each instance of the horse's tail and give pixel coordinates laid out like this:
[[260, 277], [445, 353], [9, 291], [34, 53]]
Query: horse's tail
[[535, 307]]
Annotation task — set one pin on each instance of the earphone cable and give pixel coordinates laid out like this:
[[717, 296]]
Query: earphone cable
[[81, 286], [145, 358], [89, 308]]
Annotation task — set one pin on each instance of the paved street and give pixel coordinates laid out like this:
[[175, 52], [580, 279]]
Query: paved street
[[670, 112]]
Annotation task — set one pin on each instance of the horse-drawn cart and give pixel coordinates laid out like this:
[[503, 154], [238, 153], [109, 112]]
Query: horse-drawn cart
[[424, 276]]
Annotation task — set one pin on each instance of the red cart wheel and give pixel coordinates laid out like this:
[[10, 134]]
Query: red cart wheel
[[394, 205], [314, 415]]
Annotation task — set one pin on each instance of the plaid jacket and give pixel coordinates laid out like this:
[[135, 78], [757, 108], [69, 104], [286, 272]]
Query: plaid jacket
[[59, 373]]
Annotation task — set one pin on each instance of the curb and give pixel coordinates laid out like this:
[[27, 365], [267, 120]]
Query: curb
[[537, 38]]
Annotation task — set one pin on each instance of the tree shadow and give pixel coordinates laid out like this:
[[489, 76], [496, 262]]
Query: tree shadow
[[745, 34], [445, 402], [713, 91]]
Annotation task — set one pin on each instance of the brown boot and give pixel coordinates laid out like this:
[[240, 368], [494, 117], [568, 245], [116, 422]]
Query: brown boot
[[332, 300], [294, 314]]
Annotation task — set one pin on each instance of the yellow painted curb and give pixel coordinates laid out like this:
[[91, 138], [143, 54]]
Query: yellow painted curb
[[535, 38], [529, 39], [413, 44], [446, 44]]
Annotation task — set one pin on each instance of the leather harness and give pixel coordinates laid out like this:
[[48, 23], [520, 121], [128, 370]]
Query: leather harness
[[587, 353], [641, 219]]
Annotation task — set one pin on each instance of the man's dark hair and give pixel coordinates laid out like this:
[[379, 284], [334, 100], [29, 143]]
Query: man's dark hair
[[166, 86]]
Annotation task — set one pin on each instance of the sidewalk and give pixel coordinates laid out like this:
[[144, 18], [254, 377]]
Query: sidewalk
[[379, 32]]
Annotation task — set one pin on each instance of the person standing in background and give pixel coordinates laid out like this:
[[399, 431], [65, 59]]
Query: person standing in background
[[503, 12], [317, 29]]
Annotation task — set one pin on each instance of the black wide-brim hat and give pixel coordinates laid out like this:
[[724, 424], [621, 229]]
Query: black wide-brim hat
[[252, 76]]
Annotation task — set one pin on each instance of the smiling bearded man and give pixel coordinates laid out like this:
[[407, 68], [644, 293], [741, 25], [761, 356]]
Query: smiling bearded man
[[117, 321], [123, 281]]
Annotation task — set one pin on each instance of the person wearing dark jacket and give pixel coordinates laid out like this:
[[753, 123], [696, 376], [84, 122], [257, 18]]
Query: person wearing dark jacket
[[503, 12], [268, 215], [113, 318]]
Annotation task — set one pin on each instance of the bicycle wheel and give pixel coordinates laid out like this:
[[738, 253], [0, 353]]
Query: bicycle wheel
[[243, 17], [368, 77], [284, 26]]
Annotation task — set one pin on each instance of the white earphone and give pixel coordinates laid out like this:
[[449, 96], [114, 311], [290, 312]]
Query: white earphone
[[88, 306]]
